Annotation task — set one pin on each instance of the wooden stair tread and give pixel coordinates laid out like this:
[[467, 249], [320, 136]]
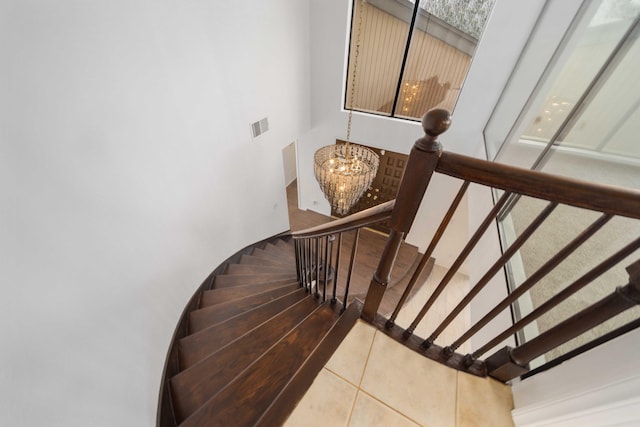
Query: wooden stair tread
[[193, 387], [222, 295], [254, 260], [199, 345], [261, 253], [272, 253], [279, 250], [227, 280], [284, 245], [245, 399], [292, 393], [258, 269], [209, 316]]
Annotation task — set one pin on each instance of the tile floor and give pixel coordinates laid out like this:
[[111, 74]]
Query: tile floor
[[372, 380]]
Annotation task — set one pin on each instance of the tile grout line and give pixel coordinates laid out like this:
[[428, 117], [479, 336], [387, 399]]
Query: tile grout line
[[390, 407], [366, 362], [455, 406]]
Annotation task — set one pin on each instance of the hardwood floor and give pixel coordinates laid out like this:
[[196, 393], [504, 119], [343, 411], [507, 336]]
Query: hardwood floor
[[370, 247]]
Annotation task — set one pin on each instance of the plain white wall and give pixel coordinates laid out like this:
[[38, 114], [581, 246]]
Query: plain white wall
[[598, 388], [289, 163], [127, 174]]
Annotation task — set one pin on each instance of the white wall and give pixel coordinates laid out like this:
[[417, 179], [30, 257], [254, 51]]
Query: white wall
[[289, 162], [598, 388], [127, 173]]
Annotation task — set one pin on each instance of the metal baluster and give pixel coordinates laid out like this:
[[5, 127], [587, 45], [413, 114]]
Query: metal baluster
[[335, 273], [489, 219], [428, 253], [326, 265], [354, 248], [317, 258], [534, 278], [296, 246]]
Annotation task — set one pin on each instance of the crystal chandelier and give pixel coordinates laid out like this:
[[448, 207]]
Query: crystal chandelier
[[345, 171]]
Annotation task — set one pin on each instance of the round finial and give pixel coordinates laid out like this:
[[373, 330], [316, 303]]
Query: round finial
[[436, 121]]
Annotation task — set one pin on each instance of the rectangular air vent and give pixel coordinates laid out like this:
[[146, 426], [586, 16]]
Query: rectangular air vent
[[259, 127]]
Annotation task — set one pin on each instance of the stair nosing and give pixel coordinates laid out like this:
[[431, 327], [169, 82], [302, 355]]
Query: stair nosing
[[214, 307], [245, 312]]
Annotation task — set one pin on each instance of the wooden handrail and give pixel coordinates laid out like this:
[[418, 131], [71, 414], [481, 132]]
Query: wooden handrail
[[542, 185], [373, 215]]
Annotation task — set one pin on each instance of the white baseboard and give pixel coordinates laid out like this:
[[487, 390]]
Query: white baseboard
[[616, 404]]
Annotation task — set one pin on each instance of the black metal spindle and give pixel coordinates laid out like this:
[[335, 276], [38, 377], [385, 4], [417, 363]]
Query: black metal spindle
[[509, 363], [307, 256], [581, 282], [317, 258], [534, 278], [354, 248], [427, 254], [296, 246], [325, 264], [327, 276], [458, 262], [335, 271], [497, 266]]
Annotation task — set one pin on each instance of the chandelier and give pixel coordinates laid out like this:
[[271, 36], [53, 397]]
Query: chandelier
[[345, 171]]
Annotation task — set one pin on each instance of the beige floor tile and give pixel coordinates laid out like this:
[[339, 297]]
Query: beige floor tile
[[350, 358], [368, 412], [328, 402], [415, 386], [483, 402]]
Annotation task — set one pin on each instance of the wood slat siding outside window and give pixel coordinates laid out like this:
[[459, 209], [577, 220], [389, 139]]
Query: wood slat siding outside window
[[435, 67]]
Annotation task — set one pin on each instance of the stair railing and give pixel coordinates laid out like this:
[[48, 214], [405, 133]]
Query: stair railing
[[427, 158], [317, 262]]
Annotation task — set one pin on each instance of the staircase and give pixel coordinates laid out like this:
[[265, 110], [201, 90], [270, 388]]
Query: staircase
[[252, 342]]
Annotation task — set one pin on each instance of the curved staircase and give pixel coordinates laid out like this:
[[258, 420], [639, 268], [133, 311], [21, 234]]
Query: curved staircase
[[250, 343]]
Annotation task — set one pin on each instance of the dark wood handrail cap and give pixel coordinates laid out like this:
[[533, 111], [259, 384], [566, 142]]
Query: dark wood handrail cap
[[436, 121]]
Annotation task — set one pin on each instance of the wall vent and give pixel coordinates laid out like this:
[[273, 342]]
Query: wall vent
[[259, 127]]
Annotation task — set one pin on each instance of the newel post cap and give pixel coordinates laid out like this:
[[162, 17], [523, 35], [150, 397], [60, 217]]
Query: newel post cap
[[434, 123]]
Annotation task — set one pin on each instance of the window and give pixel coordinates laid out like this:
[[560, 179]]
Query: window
[[412, 55]]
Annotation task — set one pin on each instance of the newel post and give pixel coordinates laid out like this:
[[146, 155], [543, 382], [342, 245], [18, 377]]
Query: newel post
[[422, 162]]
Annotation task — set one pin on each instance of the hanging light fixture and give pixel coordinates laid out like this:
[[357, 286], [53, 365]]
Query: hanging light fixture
[[346, 171]]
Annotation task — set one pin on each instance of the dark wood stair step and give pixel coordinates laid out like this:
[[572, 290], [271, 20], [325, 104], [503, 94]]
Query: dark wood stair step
[[227, 280], [193, 387], [197, 346], [243, 401], [279, 250], [264, 254], [223, 295], [254, 260], [209, 316], [294, 391], [288, 245], [258, 269]]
